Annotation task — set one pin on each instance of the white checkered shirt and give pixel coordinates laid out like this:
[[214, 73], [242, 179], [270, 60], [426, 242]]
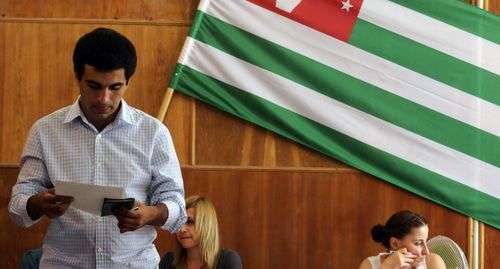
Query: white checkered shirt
[[134, 152]]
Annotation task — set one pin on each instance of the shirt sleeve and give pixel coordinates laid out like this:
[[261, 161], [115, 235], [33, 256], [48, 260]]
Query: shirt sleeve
[[167, 186], [32, 179]]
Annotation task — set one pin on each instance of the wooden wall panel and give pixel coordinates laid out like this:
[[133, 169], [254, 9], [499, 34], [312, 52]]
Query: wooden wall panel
[[491, 247], [493, 6], [223, 139], [119, 10], [37, 75], [278, 219], [3, 65], [490, 5], [297, 219], [34, 83], [180, 121], [15, 240]]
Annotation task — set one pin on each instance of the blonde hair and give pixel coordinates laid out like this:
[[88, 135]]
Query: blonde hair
[[207, 227]]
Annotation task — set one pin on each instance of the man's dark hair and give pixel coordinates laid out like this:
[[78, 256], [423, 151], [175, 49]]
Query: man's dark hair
[[106, 50]]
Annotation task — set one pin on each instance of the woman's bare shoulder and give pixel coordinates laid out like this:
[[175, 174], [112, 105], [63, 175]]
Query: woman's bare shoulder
[[365, 264], [434, 261]]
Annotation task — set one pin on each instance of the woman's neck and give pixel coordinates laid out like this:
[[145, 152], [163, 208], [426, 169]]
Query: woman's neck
[[194, 260]]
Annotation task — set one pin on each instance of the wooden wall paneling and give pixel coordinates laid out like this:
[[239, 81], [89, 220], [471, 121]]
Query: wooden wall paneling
[[179, 121], [37, 79], [223, 139], [292, 154], [494, 6], [119, 10], [14, 240], [491, 247], [297, 219], [490, 5], [3, 91]]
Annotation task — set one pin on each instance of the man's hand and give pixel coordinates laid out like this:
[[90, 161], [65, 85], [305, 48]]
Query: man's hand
[[49, 204], [141, 215]]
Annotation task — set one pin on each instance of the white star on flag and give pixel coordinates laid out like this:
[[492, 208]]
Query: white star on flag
[[346, 5]]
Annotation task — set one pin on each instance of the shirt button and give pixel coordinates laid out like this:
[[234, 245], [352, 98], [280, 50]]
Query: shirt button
[[99, 219], [99, 164], [99, 249]]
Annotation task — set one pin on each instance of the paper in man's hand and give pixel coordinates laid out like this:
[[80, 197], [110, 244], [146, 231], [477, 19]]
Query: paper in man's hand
[[88, 197]]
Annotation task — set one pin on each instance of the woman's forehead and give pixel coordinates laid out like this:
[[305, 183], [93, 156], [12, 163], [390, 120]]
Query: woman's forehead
[[191, 212], [419, 232]]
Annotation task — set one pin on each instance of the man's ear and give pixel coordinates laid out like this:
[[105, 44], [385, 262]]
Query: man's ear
[[395, 243]]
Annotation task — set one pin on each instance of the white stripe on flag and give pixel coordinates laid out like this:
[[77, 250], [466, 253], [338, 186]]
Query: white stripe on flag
[[443, 37], [338, 116], [203, 5], [360, 64]]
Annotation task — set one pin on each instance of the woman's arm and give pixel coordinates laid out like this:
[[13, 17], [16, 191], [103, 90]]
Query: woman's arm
[[365, 264]]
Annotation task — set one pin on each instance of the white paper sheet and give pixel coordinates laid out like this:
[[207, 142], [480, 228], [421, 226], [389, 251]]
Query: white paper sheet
[[88, 197]]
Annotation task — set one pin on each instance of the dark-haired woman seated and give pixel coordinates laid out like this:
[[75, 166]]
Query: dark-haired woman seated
[[405, 237]]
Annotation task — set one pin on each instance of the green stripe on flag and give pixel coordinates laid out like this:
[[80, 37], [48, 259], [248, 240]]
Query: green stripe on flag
[[337, 145], [426, 61], [446, 11], [349, 90]]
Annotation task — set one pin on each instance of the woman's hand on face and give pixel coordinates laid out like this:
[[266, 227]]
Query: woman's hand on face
[[401, 259]]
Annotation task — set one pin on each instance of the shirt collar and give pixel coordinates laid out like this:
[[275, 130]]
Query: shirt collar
[[124, 115]]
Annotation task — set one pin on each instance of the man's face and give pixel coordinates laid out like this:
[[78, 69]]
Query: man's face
[[100, 94]]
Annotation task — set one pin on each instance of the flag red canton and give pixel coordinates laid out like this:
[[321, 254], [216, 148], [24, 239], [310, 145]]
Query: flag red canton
[[334, 18]]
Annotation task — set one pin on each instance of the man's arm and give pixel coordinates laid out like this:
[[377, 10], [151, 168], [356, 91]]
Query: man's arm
[[167, 186], [31, 198], [32, 179], [166, 191]]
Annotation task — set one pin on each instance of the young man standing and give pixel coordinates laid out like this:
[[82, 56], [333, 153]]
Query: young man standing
[[100, 140]]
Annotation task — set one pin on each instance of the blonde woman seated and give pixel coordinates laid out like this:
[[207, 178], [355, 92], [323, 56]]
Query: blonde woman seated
[[405, 237], [197, 244]]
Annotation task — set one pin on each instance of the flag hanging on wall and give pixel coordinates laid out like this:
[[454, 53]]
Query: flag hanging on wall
[[408, 91]]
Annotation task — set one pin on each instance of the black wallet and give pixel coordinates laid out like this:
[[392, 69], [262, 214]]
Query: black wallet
[[110, 204]]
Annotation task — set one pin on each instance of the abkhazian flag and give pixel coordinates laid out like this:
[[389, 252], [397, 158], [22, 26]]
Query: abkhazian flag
[[408, 91]]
